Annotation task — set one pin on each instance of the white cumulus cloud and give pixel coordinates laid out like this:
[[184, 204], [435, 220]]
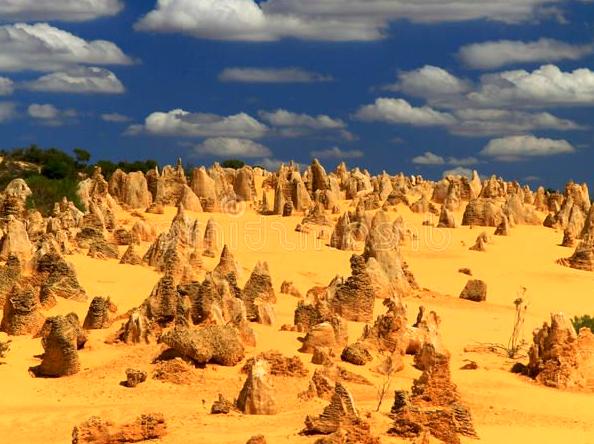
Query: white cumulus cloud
[[458, 171], [337, 153], [6, 86], [484, 122], [115, 118], [183, 123], [289, 124], [42, 47], [429, 158], [232, 147], [50, 115], [331, 20], [430, 82], [400, 111], [64, 10], [515, 148], [271, 75], [545, 86], [82, 80], [490, 55], [284, 118]]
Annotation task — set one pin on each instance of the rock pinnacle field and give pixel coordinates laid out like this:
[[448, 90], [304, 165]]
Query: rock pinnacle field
[[244, 305], [296, 221]]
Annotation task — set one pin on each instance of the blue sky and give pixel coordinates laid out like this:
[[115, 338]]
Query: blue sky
[[416, 86]]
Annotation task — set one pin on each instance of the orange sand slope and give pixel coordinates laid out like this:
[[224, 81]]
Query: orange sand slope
[[505, 407]]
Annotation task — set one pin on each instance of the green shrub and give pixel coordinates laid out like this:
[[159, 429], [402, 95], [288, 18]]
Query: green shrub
[[47, 191], [233, 163], [108, 167], [584, 321], [57, 169]]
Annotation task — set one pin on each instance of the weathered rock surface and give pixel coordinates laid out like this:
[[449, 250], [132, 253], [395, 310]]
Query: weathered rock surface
[[340, 413], [10, 274], [138, 329], [434, 407], [258, 290], [257, 395], [354, 298], [475, 290], [211, 344], [356, 354], [221, 406], [135, 377], [561, 358], [100, 315], [99, 431], [60, 344], [22, 312], [483, 212], [131, 257], [481, 242], [278, 364]]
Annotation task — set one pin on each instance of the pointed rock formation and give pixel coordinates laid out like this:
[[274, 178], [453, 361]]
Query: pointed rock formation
[[290, 188], [332, 334], [389, 332], [101, 249], [161, 305], [475, 290], [483, 212], [244, 184], [144, 231], [60, 344], [131, 190], [446, 218], [204, 187], [423, 205], [258, 290], [100, 315], [210, 243], [503, 227], [354, 298], [131, 257], [227, 265], [576, 227], [22, 312], [190, 201], [561, 358], [138, 329], [481, 242], [257, 395], [58, 279], [383, 245], [434, 407], [16, 241], [583, 256], [340, 413], [10, 274]]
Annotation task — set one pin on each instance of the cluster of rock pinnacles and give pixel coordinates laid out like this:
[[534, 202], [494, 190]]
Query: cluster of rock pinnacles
[[208, 321]]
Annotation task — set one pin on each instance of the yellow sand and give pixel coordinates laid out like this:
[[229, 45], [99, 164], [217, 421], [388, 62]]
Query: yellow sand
[[507, 408]]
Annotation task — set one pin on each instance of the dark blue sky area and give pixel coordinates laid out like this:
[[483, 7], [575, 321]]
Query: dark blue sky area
[[176, 70]]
